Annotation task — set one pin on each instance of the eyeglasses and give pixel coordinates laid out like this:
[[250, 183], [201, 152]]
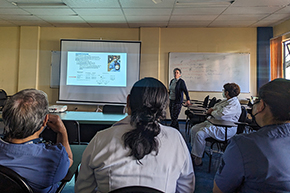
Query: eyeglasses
[[256, 101], [253, 102]]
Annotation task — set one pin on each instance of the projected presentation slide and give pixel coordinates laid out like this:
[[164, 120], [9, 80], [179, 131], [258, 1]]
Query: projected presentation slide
[[96, 69]]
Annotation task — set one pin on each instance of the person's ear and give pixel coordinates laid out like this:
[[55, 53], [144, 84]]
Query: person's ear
[[45, 120], [227, 93], [260, 106]]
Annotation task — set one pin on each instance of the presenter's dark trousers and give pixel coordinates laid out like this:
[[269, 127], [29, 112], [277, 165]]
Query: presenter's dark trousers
[[174, 109]]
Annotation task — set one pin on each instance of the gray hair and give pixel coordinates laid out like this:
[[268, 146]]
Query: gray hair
[[24, 113]]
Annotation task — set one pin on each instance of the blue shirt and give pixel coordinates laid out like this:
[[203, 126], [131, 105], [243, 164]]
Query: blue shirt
[[257, 162], [42, 165]]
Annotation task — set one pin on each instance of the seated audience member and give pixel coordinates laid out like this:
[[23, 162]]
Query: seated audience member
[[260, 161], [138, 150], [25, 115], [227, 110]]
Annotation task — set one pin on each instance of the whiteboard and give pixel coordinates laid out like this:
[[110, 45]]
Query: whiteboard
[[210, 71]]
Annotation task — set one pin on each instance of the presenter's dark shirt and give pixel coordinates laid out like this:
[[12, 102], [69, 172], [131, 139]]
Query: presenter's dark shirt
[[179, 89]]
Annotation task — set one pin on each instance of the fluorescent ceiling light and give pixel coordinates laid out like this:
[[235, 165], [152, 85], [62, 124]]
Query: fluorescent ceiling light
[[157, 1], [37, 4], [204, 2]]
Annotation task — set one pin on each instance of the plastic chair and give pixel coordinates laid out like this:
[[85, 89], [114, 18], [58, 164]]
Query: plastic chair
[[11, 182], [73, 132], [3, 98], [221, 145], [114, 109], [136, 189]]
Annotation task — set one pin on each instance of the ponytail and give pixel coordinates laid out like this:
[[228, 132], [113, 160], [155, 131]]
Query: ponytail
[[148, 101]]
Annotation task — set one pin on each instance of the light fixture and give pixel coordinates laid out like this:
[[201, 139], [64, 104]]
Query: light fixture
[[20, 4], [204, 2], [157, 1]]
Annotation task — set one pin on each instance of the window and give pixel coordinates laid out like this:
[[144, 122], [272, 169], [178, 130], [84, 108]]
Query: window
[[287, 59]]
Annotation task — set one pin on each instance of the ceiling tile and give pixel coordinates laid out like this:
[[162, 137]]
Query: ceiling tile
[[132, 12], [189, 24], [285, 9], [6, 23], [33, 23], [263, 24], [155, 24], [231, 23], [104, 19], [276, 17], [72, 19], [149, 19], [246, 3], [125, 25], [193, 17], [12, 11], [92, 3], [20, 17], [194, 10], [50, 11], [251, 10], [60, 24], [146, 3], [99, 12], [241, 17]]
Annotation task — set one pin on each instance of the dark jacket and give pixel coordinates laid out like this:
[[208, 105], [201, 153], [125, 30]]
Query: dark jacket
[[179, 89]]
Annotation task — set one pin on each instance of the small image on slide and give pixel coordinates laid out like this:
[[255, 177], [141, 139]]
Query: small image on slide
[[114, 63]]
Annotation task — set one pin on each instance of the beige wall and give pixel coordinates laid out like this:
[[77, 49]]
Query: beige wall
[[29, 50], [9, 52], [282, 29]]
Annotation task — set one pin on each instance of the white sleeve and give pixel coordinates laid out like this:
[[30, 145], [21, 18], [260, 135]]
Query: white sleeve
[[186, 180], [86, 181], [219, 112]]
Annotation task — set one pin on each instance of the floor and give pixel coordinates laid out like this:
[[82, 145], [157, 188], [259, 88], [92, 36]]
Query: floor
[[204, 180]]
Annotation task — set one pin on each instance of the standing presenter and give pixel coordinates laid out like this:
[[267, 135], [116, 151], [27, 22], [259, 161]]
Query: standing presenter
[[176, 89]]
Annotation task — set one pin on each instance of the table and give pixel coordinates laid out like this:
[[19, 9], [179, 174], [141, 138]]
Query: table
[[77, 151], [91, 117], [223, 123], [91, 122]]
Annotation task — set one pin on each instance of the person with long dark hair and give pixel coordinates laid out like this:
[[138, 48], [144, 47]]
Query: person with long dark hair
[[260, 161], [138, 150]]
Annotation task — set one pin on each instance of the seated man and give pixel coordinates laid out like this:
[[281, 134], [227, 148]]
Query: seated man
[[260, 161], [227, 110], [25, 115]]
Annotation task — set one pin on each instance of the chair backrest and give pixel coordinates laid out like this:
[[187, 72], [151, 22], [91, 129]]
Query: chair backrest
[[212, 102], [242, 119], [3, 98], [136, 189], [11, 182], [205, 101], [114, 109], [73, 132]]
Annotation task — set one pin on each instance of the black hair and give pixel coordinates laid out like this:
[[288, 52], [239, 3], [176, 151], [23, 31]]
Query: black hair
[[24, 113], [177, 69], [148, 101], [276, 94], [233, 89]]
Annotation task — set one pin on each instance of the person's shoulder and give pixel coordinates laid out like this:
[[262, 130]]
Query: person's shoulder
[[244, 139], [58, 147], [169, 132]]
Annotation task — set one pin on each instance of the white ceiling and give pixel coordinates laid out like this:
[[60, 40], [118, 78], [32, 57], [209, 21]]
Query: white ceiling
[[144, 13]]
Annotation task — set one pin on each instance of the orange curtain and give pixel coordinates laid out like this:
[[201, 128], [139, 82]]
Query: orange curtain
[[276, 58]]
